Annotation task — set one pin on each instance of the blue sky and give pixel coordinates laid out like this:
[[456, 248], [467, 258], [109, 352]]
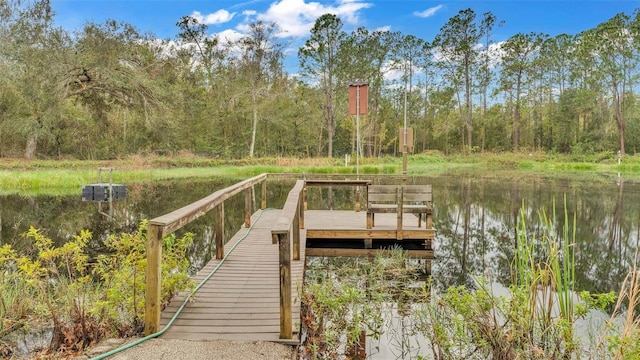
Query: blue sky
[[421, 18]]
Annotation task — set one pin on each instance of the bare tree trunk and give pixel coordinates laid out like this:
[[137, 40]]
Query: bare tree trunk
[[619, 117], [32, 145], [469, 118], [254, 128], [516, 117]]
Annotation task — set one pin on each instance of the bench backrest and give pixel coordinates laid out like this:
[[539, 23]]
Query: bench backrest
[[389, 193], [382, 194], [417, 193]]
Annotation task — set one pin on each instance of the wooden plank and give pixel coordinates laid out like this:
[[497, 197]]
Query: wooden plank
[[289, 210], [337, 182], [153, 279], [421, 254], [219, 230], [241, 300], [247, 207], [426, 234], [285, 286]]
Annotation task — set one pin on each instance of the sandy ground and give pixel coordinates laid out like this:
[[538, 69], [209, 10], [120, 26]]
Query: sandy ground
[[195, 350]]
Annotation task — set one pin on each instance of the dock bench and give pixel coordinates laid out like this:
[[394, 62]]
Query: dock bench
[[414, 199]]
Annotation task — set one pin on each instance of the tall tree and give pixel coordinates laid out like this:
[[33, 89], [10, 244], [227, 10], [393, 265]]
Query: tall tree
[[110, 72], [407, 54], [260, 61], [319, 60], [517, 58], [487, 63], [367, 54], [204, 60], [36, 51], [613, 48], [457, 44]]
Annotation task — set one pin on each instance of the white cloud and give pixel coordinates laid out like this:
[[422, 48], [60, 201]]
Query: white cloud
[[495, 53], [383, 28], [429, 12], [219, 17], [296, 17], [229, 35]]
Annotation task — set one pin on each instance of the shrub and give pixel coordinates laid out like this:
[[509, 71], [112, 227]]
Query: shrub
[[85, 300]]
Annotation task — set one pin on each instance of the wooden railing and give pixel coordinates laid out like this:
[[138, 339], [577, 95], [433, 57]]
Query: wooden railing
[[286, 229], [167, 224]]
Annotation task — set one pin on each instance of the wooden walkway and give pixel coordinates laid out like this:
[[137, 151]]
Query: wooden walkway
[[241, 300]]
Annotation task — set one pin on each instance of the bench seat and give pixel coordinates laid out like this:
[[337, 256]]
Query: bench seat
[[413, 199]]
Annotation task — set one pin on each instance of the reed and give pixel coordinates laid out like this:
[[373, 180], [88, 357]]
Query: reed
[[544, 268], [621, 337]]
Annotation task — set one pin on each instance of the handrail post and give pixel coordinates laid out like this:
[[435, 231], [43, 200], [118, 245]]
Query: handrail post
[[304, 196], [301, 210], [296, 233], [153, 279], [357, 198], [263, 203], [247, 207], [285, 286], [219, 230], [400, 200]]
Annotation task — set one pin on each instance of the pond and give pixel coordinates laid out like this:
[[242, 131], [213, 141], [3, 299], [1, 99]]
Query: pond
[[475, 217]]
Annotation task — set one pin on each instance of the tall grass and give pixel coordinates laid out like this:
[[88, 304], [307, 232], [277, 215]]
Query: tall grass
[[544, 267], [621, 336]]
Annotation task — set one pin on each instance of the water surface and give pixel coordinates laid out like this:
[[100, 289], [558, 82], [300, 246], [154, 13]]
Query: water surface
[[475, 216]]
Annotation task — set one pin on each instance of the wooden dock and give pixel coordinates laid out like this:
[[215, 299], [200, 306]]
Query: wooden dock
[[253, 295], [241, 300]]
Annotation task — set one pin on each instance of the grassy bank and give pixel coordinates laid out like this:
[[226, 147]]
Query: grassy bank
[[66, 176]]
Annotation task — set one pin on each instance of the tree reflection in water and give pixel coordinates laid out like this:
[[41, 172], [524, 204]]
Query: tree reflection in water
[[475, 217]]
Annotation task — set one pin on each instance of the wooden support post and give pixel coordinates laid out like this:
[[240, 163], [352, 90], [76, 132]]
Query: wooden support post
[[247, 208], [219, 230], [285, 286], [296, 236], [304, 196], [301, 210], [400, 198], [357, 198], [428, 222], [368, 243], [153, 279], [263, 204]]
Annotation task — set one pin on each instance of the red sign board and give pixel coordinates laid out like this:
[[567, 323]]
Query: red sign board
[[358, 92]]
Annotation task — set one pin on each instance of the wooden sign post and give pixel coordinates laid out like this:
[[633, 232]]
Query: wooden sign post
[[358, 101]]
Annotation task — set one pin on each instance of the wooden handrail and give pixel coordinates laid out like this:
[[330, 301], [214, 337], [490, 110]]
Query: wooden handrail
[[181, 217], [287, 227], [165, 225]]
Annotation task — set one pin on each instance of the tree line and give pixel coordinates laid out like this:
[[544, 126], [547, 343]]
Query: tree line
[[110, 90]]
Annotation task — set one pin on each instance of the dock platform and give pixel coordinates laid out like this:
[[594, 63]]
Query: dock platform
[[241, 300]]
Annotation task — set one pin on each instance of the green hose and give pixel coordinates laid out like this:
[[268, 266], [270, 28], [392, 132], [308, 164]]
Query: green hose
[[184, 303]]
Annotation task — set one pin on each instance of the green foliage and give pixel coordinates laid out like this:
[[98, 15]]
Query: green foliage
[[122, 274], [85, 299], [346, 297], [535, 320], [109, 90]]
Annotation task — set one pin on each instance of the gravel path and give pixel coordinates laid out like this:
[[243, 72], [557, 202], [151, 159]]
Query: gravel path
[[196, 350]]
